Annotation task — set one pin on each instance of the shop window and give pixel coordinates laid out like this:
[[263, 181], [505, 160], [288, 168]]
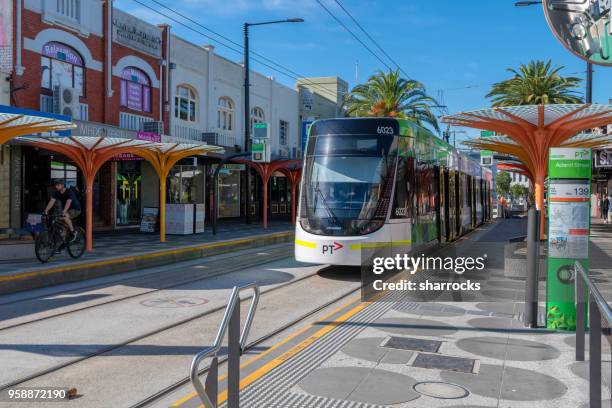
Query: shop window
[[129, 179], [185, 185], [135, 90], [283, 132], [64, 171], [225, 113], [62, 66], [185, 103], [257, 116], [229, 193]]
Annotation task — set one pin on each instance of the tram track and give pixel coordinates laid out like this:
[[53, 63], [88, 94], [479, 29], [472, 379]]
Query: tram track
[[147, 278], [250, 346], [176, 324]]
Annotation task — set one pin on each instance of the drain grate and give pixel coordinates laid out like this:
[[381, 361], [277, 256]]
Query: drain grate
[[446, 363], [409, 343], [441, 390]]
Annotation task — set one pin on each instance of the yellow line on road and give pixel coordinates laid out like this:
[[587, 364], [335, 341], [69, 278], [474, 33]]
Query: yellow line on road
[[114, 261]]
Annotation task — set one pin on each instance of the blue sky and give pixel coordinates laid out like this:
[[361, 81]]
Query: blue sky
[[459, 47]]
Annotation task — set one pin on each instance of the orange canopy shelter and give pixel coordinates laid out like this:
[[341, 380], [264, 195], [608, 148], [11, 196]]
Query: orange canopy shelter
[[162, 157], [90, 153], [531, 130], [19, 122], [290, 168]]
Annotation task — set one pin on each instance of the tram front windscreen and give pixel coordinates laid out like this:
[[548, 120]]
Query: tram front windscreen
[[343, 180]]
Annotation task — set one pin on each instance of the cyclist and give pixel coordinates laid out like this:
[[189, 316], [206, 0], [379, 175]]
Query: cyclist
[[71, 207]]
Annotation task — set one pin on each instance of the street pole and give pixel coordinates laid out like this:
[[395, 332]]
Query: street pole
[[247, 127], [247, 106], [589, 83]]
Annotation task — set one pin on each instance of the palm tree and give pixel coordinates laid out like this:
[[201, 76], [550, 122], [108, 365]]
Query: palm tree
[[534, 84], [390, 95]]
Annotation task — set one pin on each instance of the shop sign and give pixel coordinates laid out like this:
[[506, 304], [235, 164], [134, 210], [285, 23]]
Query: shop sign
[[148, 222], [486, 157], [101, 130], [306, 124], [603, 158], [261, 130], [136, 34], [569, 193], [148, 136]]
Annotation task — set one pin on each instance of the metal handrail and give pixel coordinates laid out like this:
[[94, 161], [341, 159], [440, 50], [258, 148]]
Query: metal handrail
[[598, 308], [233, 302], [604, 307]]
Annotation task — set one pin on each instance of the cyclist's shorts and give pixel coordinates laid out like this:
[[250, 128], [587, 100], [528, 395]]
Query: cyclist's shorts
[[73, 213]]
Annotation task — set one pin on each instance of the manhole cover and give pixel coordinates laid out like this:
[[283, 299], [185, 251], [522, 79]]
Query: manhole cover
[[441, 390], [174, 302], [409, 343], [436, 361]]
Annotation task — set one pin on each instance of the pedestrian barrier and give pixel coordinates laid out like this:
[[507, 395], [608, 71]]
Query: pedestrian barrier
[[598, 308], [236, 344]]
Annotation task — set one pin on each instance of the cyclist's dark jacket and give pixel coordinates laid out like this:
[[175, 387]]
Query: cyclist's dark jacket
[[68, 195]]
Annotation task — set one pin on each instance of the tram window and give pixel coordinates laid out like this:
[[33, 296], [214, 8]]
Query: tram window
[[352, 145]]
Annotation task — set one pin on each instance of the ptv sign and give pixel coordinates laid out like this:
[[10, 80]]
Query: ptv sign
[[331, 248]]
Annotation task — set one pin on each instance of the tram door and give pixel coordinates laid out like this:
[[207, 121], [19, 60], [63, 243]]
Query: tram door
[[444, 201], [453, 204], [438, 194]]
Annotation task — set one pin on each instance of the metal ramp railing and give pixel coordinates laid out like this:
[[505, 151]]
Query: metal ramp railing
[[236, 345]]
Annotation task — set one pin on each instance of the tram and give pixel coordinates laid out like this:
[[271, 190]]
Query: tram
[[384, 183]]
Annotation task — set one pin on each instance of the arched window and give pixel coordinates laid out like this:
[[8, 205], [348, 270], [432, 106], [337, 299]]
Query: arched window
[[185, 103], [61, 65], [257, 116], [225, 113], [135, 90]]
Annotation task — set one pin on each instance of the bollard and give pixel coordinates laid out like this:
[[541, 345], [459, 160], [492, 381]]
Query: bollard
[[533, 263]]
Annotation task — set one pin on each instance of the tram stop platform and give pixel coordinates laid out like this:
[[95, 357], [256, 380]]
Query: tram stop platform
[[127, 250], [391, 352]]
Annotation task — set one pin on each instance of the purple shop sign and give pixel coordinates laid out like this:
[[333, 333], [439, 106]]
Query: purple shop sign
[[62, 52], [149, 137]]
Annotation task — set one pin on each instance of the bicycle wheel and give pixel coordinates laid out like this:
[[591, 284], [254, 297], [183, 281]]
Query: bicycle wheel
[[43, 247], [77, 247]]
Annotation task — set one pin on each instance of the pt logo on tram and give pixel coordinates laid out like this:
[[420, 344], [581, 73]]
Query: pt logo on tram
[[330, 248]]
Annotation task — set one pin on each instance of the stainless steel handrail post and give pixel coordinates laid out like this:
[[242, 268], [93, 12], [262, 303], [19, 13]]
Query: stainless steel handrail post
[[598, 308], [237, 343], [580, 313], [594, 354]]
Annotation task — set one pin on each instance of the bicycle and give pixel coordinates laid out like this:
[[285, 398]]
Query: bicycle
[[56, 237]]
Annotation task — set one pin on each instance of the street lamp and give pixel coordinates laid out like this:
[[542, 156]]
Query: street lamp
[[247, 106], [589, 71]]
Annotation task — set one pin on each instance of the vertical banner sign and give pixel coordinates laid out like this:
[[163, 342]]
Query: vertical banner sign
[[6, 36], [569, 192]]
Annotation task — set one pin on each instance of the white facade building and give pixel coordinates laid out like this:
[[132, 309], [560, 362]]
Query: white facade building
[[207, 101]]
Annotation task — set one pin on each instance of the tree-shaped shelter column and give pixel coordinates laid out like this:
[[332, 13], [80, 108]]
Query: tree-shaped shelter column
[[163, 156], [265, 170], [89, 154], [533, 130]]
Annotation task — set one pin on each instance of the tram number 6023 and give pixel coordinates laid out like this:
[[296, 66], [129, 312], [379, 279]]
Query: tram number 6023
[[384, 130]]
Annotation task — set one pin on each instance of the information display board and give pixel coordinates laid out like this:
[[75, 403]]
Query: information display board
[[569, 195]]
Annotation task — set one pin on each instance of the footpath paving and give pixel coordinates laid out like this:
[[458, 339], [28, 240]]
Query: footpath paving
[[396, 352], [127, 250]]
